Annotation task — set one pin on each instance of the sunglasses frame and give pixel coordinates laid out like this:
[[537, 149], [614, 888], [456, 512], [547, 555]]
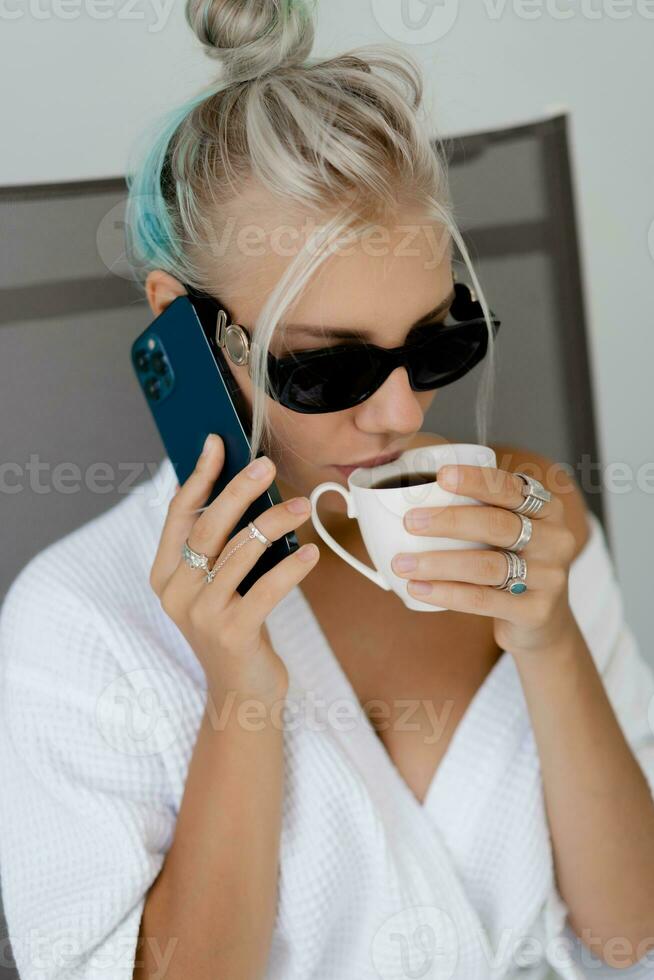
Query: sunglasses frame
[[235, 341]]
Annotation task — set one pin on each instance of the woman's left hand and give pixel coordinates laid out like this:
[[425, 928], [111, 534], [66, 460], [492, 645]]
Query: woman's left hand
[[463, 580]]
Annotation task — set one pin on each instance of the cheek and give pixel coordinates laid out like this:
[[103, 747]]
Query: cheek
[[306, 443], [301, 445]]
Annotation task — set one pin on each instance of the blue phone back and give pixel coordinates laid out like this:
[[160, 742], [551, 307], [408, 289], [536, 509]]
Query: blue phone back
[[191, 392]]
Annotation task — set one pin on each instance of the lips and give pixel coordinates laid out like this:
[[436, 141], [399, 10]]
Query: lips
[[375, 461]]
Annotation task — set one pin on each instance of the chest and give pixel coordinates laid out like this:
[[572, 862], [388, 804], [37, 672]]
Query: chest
[[413, 673]]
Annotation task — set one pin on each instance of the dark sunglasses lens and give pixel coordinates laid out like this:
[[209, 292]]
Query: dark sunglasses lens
[[333, 381], [449, 356], [328, 383]]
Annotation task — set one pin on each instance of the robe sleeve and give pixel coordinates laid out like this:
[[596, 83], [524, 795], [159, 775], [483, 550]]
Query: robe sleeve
[[84, 809], [628, 678]]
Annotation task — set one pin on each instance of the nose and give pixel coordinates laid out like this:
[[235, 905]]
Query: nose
[[393, 407]]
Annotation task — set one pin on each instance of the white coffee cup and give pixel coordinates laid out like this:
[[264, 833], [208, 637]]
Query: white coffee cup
[[380, 513]]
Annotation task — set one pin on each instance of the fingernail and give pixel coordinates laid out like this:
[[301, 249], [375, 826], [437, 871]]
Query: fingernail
[[308, 552], [447, 476], [208, 444], [300, 505], [258, 468], [422, 588], [404, 563], [416, 521]]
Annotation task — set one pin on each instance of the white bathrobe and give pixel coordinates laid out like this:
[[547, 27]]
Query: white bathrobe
[[101, 702]]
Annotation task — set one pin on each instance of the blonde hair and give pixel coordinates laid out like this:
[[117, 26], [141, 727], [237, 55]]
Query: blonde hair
[[340, 138]]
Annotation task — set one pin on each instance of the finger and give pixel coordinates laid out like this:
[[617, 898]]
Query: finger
[[472, 522], [268, 591], [210, 531], [493, 486], [182, 510], [242, 552], [475, 567], [479, 600]]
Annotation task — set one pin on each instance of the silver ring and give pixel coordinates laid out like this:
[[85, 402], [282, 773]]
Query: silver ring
[[254, 533], [535, 496], [524, 537], [515, 580], [195, 559]]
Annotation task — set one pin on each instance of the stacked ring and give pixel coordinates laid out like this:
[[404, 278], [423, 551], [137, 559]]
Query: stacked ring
[[535, 496], [515, 581]]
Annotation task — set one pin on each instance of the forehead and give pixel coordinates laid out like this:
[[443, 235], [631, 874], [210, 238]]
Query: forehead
[[297, 330], [373, 290], [386, 277]]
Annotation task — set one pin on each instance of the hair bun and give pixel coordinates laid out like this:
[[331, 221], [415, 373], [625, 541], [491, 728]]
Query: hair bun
[[253, 37]]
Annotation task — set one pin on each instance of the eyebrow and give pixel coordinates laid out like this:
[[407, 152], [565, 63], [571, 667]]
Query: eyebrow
[[346, 332]]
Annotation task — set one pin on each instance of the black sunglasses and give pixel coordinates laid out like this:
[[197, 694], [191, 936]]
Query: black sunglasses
[[331, 379]]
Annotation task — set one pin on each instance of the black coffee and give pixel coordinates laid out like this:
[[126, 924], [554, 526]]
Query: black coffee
[[404, 480]]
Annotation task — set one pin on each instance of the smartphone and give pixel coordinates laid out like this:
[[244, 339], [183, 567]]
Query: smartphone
[[191, 392]]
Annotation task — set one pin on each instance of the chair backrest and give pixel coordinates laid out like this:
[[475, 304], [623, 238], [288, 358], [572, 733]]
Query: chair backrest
[[68, 314]]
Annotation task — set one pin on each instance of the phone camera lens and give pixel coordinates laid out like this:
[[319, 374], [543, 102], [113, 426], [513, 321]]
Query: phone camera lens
[[153, 389], [141, 359], [159, 363]]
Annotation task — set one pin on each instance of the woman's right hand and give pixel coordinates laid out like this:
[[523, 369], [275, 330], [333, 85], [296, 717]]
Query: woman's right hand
[[227, 631]]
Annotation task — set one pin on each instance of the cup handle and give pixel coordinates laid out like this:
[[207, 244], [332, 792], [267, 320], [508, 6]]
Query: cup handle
[[366, 570]]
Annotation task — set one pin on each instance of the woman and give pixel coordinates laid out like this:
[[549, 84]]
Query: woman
[[161, 815]]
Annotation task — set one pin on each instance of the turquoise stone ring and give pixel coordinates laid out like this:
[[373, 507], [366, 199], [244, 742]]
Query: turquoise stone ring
[[515, 581]]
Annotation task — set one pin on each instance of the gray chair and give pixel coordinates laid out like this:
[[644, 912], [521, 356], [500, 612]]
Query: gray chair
[[68, 314], [513, 192]]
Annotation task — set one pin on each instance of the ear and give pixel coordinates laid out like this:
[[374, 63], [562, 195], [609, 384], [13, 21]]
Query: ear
[[161, 289]]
